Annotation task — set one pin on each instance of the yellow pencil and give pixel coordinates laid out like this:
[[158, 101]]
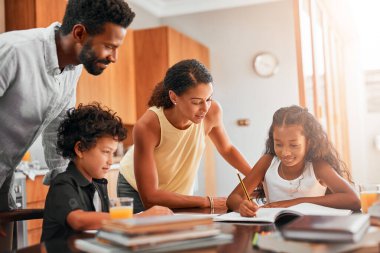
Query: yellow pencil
[[243, 186]]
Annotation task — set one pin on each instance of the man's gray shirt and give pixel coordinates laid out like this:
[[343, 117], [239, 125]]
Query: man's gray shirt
[[34, 96]]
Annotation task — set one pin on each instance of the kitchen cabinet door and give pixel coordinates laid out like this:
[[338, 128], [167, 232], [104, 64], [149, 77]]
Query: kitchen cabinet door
[[115, 87], [157, 49], [26, 14]]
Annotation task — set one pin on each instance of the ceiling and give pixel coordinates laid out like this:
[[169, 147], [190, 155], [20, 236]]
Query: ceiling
[[164, 8]]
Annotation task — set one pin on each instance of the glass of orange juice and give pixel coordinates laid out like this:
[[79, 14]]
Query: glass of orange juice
[[369, 194], [121, 208]]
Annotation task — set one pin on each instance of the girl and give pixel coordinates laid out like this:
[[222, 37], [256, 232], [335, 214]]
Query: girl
[[169, 140], [298, 166]]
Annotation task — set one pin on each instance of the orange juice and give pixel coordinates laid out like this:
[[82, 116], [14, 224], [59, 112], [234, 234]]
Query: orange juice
[[121, 212], [367, 199]]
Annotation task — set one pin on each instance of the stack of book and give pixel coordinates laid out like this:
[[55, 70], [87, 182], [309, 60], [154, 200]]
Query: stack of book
[[320, 234], [155, 234]]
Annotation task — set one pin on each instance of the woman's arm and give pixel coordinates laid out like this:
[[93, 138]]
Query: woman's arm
[[216, 131], [342, 194], [146, 135], [237, 200]]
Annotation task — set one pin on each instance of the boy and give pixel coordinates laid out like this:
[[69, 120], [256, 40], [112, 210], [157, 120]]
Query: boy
[[77, 199]]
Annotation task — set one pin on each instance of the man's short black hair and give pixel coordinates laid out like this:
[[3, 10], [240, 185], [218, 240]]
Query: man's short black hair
[[93, 14]]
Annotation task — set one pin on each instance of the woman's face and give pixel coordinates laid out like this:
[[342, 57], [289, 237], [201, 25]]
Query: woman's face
[[195, 102], [289, 144]]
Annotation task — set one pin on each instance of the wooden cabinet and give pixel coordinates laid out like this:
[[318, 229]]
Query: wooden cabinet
[[155, 50], [115, 87], [26, 14], [36, 193]]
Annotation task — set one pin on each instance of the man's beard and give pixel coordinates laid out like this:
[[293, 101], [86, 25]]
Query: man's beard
[[89, 60]]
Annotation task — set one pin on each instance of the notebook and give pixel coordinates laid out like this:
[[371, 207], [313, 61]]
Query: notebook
[[283, 215]]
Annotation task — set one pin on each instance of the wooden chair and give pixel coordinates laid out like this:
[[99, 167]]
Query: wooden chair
[[8, 228]]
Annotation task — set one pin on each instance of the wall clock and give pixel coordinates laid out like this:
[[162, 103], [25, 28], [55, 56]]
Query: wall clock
[[265, 64]]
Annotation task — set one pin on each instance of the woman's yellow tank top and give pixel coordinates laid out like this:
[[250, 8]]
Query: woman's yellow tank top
[[177, 156]]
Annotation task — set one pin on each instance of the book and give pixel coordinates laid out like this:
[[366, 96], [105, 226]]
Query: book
[[95, 246], [156, 238], [327, 228], [154, 224], [281, 216], [276, 243]]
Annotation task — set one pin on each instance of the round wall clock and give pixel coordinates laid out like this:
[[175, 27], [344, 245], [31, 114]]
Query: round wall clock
[[265, 64]]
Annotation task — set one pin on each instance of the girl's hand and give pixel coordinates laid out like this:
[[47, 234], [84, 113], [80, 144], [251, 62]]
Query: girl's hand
[[248, 208], [219, 202], [156, 210]]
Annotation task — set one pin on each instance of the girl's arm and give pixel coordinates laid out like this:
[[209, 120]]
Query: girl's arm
[[218, 135], [237, 201], [342, 194], [146, 135]]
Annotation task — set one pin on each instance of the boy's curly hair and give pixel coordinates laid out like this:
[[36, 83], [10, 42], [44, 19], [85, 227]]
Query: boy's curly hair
[[86, 124], [93, 14]]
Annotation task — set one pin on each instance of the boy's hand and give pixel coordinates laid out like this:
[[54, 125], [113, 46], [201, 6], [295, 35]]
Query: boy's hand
[[248, 208], [156, 210]]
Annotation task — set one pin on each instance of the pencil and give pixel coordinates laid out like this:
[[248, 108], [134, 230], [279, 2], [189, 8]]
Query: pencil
[[243, 186]]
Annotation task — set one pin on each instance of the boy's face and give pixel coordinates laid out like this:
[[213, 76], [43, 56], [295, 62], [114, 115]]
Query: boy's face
[[95, 162]]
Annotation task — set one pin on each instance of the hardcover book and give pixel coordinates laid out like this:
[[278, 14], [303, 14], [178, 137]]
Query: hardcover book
[[155, 224], [327, 228], [274, 242]]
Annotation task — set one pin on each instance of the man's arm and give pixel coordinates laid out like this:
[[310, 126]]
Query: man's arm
[[56, 163]]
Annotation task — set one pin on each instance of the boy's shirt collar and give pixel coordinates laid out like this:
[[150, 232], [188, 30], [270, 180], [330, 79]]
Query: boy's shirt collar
[[81, 180]]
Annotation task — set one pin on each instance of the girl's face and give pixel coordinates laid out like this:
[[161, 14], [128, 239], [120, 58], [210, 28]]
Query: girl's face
[[195, 102], [95, 162], [290, 144]]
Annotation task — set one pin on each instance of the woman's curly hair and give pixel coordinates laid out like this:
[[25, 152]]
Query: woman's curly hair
[[86, 124], [179, 78], [319, 147]]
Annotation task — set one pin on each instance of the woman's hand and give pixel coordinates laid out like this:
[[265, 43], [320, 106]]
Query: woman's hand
[[248, 208], [155, 210], [219, 202]]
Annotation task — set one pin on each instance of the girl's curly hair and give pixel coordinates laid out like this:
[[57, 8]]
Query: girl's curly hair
[[86, 124], [319, 146]]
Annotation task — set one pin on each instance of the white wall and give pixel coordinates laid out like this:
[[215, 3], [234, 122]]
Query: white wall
[[234, 36], [143, 19]]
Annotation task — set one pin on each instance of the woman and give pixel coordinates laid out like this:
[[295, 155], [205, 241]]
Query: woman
[[169, 140]]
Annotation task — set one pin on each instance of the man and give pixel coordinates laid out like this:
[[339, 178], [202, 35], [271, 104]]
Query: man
[[39, 70]]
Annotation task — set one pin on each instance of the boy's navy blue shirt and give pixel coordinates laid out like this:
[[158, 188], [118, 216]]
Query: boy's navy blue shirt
[[70, 191]]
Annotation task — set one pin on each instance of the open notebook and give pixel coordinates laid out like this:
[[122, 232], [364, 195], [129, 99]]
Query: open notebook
[[272, 215]]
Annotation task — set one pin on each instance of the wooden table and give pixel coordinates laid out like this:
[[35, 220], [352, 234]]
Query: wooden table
[[242, 243]]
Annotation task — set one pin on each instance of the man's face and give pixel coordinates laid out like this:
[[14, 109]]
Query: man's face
[[101, 49]]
